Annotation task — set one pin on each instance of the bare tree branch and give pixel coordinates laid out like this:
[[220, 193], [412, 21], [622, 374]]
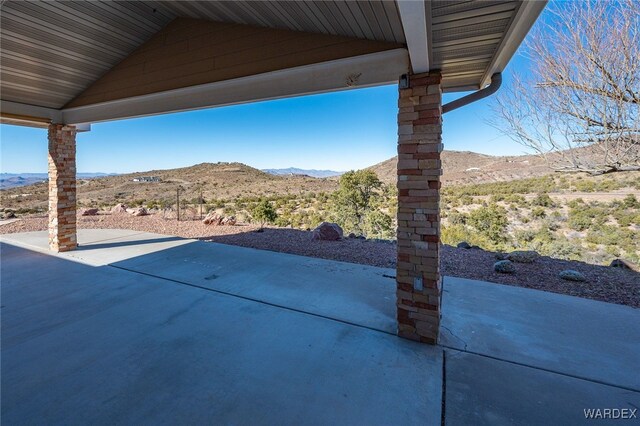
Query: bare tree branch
[[579, 108]]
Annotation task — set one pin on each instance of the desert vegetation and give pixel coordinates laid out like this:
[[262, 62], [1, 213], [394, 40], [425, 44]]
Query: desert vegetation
[[564, 215], [554, 215]]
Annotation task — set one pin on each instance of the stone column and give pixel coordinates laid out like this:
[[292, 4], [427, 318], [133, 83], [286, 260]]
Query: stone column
[[62, 187], [419, 169]]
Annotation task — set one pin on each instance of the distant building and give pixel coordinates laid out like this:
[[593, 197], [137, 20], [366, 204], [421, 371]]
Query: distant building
[[147, 179]]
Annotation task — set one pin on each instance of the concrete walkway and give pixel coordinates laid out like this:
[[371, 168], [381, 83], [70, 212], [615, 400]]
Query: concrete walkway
[[137, 328]]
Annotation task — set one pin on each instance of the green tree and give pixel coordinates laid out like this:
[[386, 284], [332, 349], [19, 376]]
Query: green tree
[[263, 212], [354, 198]]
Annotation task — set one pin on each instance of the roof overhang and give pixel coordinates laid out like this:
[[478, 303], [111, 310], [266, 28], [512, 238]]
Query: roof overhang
[[355, 72], [83, 62]]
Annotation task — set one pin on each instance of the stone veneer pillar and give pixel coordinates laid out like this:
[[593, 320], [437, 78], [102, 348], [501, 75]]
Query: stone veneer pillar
[[62, 187], [419, 169]]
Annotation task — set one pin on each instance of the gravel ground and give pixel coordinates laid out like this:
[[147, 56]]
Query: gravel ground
[[603, 283]]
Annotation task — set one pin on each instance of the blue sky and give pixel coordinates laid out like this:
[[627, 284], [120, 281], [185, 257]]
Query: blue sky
[[338, 131]]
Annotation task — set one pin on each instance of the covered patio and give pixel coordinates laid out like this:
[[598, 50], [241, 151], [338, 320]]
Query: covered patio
[[69, 64], [122, 327], [138, 328]]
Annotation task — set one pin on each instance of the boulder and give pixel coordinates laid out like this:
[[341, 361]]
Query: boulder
[[119, 208], [501, 256], [229, 221], [523, 256], [213, 218], [89, 212], [464, 245], [140, 211], [619, 263], [351, 235], [571, 275], [9, 214], [504, 267], [327, 231]]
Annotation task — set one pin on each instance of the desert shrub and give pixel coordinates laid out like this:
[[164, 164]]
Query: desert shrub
[[466, 200], [282, 221], [453, 234], [626, 218], [516, 199], [581, 218], [631, 202], [542, 200], [562, 249], [378, 224], [538, 212], [521, 186], [263, 213], [491, 221], [574, 204], [585, 186], [523, 237], [456, 218]]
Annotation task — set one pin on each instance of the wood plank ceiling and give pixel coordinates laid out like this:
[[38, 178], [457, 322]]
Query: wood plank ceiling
[[51, 51]]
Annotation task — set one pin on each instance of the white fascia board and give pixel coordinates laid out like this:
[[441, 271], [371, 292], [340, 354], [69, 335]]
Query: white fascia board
[[373, 69], [413, 14], [520, 25], [25, 110]]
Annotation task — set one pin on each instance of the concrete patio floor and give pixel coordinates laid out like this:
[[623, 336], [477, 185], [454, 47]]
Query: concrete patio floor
[[138, 328]]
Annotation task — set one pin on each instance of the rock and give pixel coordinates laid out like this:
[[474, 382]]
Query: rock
[[351, 235], [119, 208], [464, 245], [523, 256], [229, 221], [571, 275], [327, 231], [619, 263], [9, 214], [476, 248], [89, 212], [501, 256], [504, 267], [213, 218], [361, 237], [140, 211]]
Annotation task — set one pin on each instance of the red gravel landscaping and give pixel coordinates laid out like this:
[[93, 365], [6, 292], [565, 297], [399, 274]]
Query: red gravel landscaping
[[603, 283]]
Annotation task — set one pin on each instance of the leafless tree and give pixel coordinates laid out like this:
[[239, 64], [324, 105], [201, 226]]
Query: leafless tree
[[579, 105]]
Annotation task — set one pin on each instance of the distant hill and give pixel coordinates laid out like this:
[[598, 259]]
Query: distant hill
[[305, 172], [464, 167], [215, 180], [13, 180], [225, 181], [16, 181]]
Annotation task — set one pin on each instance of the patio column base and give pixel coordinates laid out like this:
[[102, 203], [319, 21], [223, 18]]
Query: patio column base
[[62, 187], [419, 169]]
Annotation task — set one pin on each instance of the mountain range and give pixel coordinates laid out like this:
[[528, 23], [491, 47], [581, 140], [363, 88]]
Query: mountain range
[[225, 181], [12, 180], [305, 172]]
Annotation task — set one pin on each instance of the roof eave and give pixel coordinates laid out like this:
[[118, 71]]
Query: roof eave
[[520, 25]]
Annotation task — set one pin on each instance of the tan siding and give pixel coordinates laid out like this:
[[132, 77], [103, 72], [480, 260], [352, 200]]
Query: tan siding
[[189, 52]]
